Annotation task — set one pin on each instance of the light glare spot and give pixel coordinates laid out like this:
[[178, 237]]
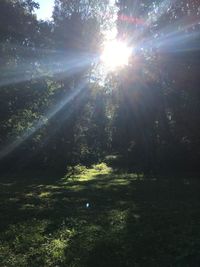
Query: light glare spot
[[115, 54]]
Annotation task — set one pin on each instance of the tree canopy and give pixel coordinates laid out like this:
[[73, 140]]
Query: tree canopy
[[54, 114]]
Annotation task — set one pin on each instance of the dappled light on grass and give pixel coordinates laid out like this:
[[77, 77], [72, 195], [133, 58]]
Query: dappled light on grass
[[130, 220], [118, 77], [45, 194], [82, 173]]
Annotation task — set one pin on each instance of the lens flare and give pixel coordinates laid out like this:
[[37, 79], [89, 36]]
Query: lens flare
[[115, 54]]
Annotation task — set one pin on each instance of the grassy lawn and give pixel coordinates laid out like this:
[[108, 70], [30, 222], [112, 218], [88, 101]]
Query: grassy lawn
[[98, 218]]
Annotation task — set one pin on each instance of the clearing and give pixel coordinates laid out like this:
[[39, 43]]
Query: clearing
[[99, 218]]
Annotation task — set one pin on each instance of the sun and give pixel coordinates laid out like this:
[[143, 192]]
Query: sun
[[115, 54]]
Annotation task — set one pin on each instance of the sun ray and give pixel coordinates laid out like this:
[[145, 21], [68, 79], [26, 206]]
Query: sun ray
[[52, 63], [41, 122]]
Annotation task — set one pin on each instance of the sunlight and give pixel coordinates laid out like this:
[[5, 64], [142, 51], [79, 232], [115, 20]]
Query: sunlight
[[115, 54], [37, 124]]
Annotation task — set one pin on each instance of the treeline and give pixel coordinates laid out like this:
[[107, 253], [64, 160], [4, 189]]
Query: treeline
[[158, 114], [47, 104], [55, 114]]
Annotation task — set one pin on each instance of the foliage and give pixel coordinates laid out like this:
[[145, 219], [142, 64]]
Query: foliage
[[36, 82], [155, 125], [56, 119], [147, 113]]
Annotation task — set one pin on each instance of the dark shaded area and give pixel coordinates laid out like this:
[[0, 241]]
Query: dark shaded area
[[130, 222], [143, 121], [146, 113]]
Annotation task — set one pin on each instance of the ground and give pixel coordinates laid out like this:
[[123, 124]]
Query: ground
[[98, 218]]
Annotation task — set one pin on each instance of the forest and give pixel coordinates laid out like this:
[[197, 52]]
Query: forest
[[100, 134]]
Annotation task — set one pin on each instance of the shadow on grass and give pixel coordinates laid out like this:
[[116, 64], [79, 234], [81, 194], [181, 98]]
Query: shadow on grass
[[108, 220]]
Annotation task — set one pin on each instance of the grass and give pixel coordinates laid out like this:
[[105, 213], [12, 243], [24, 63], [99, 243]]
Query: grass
[[130, 220]]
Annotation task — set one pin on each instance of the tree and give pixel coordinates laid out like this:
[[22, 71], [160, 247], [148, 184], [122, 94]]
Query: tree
[[153, 105]]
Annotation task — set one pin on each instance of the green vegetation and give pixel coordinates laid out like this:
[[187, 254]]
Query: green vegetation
[[91, 158], [97, 217]]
